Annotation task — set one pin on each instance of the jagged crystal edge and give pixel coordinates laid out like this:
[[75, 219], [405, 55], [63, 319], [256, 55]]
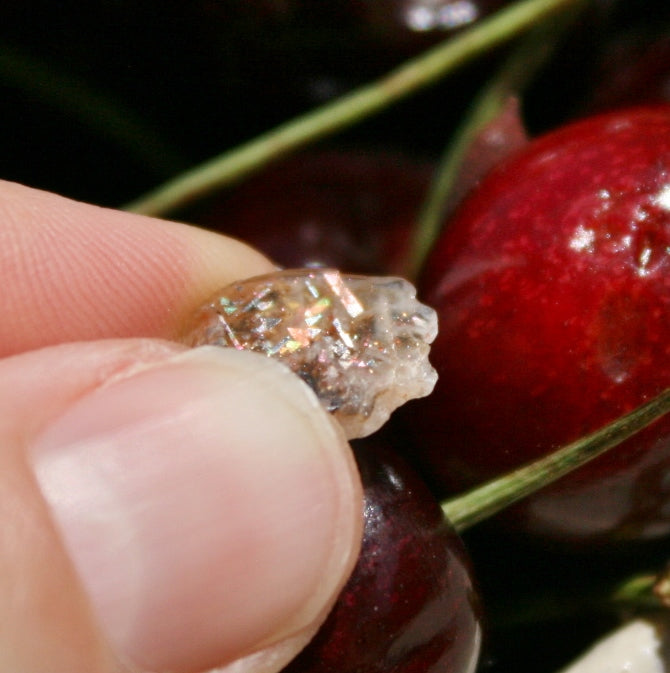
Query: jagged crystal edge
[[360, 342]]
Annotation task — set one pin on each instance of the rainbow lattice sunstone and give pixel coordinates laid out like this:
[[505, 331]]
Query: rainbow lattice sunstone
[[361, 343]]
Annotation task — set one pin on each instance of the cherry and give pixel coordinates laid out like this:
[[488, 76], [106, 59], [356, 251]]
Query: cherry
[[410, 605], [623, 62], [551, 284], [410, 24], [632, 71], [615, 55], [399, 26], [347, 209]]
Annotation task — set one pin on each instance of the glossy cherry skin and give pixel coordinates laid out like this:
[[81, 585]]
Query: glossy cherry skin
[[410, 605], [552, 284], [346, 209]]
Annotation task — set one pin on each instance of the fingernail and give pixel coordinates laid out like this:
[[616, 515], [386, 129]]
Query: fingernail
[[209, 504]]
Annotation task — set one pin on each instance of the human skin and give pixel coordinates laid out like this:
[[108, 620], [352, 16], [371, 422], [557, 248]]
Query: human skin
[[148, 520]]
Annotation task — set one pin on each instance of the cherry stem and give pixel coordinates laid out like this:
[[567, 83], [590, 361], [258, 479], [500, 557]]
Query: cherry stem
[[514, 75], [661, 587], [417, 73], [480, 503], [640, 592]]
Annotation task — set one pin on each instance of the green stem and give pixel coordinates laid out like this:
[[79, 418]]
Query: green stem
[[545, 607], [635, 594], [419, 72], [517, 71], [661, 587], [484, 501]]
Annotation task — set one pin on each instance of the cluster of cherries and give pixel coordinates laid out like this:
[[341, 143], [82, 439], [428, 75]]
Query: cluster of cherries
[[552, 288], [551, 280]]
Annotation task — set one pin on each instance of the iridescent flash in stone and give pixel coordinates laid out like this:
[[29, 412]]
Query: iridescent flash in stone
[[361, 343]]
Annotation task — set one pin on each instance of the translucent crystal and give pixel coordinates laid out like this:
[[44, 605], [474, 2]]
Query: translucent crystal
[[361, 343]]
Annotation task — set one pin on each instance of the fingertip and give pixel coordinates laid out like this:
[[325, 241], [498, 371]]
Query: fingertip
[[213, 261], [209, 495], [73, 271]]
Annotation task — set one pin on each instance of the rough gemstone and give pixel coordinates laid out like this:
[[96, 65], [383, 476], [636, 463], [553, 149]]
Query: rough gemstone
[[361, 343]]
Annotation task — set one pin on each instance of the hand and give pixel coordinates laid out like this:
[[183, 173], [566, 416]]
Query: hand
[[175, 509]]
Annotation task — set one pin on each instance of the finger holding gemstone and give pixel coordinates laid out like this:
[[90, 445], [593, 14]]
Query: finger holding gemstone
[[360, 342]]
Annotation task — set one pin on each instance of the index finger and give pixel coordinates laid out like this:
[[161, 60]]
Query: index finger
[[72, 271]]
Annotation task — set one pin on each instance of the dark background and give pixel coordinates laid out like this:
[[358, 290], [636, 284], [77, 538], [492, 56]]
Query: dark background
[[102, 101]]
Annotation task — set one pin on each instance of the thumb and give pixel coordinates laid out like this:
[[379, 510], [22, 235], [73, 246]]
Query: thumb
[[209, 506]]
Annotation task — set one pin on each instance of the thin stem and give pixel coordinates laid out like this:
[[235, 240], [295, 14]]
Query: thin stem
[[415, 74], [517, 71], [661, 587], [636, 593], [548, 606], [482, 502]]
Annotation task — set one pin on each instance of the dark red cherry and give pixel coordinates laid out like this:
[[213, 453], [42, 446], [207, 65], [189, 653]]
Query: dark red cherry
[[632, 71], [392, 25], [552, 284], [410, 24], [632, 61], [410, 605], [351, 210]]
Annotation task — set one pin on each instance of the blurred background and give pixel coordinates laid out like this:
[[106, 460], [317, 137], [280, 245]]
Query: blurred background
[[102, 101]]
